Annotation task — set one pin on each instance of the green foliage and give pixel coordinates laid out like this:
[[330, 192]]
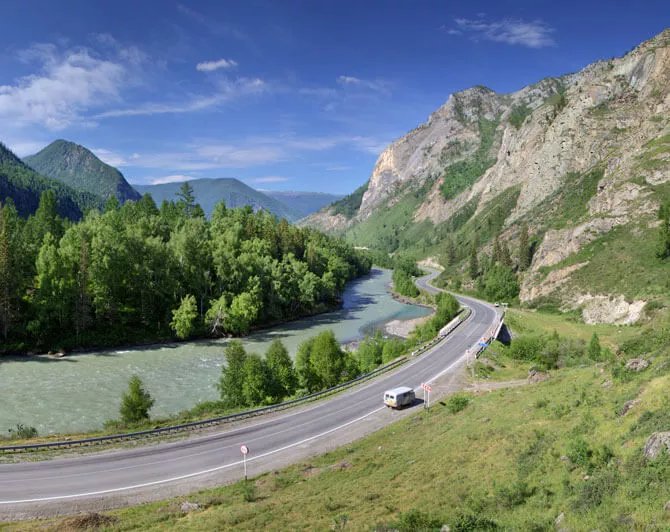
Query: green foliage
[[349, 205], [447, 309], [473, 523], [249, 491], [282, 373], [126, 274], [24, 187], [663, 247], [518, 115], [457, 402], [594, 351], [524, 248], [321, 364], [461, 175], [183, 318], [135, 404], [501, 283], [231, 382], [22, 432], [550, 351]]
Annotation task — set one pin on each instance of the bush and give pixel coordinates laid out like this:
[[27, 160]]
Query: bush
[[249, 491], [472, 523], [135, 404], [22, 432], [591, 493], [514, 495], [457, 403]]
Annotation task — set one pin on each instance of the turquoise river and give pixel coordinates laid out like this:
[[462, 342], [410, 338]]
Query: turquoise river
[[82, 390]]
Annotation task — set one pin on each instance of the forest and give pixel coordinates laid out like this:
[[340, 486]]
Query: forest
[[139, 273]]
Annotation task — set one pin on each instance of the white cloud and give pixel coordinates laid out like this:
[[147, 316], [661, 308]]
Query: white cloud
[[270, 179], [351, 81], [227, 90], [24, 147], [209, 66], [67, 85], [110, 157], [535, 34], [177, 178]]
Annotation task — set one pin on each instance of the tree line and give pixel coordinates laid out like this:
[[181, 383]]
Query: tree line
[[137, 272]]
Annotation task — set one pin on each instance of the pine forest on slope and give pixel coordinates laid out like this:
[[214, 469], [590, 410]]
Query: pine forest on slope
[[79, 168]]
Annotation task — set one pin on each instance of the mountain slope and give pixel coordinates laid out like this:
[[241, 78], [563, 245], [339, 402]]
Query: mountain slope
[[583, 159], [304, 202], [79, 168], [25, 186], [209, 192]]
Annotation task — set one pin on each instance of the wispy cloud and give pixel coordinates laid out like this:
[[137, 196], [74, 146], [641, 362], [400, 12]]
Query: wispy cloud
[[377, 85], [270, 179], [535, 34], [176, 178], [68, 84], [227, 90], [110, 157], [210, 66], [215, 27]]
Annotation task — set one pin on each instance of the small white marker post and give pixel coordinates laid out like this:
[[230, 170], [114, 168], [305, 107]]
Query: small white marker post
[[245, 451], [426, 401]]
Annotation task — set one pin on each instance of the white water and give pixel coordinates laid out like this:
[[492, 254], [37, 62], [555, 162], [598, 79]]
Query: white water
[[81, 391]]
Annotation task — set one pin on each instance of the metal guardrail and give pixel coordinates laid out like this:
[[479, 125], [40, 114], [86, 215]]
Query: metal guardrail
[[230, 417], [199, 424]]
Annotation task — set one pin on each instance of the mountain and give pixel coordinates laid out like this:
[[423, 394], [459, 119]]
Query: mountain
[[582, 159], [209, 192], [304, 203], [25, 186], [79, 168]]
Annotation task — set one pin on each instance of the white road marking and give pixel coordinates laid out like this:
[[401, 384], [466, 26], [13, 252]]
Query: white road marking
[[190, 475]]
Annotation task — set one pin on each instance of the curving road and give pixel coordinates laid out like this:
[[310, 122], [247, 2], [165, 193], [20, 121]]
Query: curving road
[[110, 479]]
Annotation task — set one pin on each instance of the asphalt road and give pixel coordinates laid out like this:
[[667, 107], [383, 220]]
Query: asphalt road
[[64, 485]]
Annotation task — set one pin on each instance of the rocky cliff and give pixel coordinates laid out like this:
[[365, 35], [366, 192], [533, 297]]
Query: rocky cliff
[[611, 120]]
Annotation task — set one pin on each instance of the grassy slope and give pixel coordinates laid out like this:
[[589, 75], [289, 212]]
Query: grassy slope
[[501, 458]]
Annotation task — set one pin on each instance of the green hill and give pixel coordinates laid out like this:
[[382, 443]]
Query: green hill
[[25, 186], [209, 192], [79, 168], [304, 202]]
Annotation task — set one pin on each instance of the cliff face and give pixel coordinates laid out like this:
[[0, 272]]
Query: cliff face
[[612, 116]]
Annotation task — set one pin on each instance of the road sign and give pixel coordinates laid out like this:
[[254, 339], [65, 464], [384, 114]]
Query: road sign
[[426, 387], [482, 344], [244, 449]]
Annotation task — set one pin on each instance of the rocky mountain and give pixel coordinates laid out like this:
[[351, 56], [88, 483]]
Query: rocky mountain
[[209, 192], [24, 187], [304, 203], [582, 159], [79, 168]]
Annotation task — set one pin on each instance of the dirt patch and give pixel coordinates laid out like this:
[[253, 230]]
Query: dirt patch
[[89, 521], [403, 328]]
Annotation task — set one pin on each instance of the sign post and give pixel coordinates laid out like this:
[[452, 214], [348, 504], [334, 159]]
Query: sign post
[[245, 451], [426, 401]]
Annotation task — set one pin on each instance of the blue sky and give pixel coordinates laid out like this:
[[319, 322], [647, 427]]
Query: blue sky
[[293, 95]]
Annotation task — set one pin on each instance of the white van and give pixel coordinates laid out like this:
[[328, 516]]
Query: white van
[[399, 397]]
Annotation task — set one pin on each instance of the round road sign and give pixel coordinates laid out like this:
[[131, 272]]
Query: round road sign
[[244, 449]]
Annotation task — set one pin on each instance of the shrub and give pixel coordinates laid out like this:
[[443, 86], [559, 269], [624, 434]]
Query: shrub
[[135, 404], [471, 523], [514, 495], [602, 483], [22, 432], [457, 402], [249, 491]]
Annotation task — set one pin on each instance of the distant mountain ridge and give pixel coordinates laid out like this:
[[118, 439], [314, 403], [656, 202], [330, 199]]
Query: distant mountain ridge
[[25, 186], [304, 202], [79, 168], [209, 192]]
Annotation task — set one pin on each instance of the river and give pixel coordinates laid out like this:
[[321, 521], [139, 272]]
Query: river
[[81, 391]]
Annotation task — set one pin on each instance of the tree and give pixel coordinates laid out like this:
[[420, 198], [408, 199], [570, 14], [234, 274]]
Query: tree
[[243, 311], [282, 373], [505, 257], [217, 317], [256, 381], [474, 265], [501, 284], [183, 318], [328, 359], [135, 404], [524, 248], [451, 251], [231, 382], [8, 272], [594, 350]]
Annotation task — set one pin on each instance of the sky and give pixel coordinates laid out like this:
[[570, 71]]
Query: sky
[[284, 95]]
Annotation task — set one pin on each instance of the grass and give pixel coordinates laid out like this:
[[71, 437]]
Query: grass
[[516, 457]]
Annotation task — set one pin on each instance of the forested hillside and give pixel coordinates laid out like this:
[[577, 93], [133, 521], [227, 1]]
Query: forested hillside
[[24, 186], [209, 192], [77, 167], [135, 272], [304, 202]]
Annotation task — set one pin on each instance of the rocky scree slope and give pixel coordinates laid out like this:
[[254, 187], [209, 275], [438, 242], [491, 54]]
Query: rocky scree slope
[[586, 155]]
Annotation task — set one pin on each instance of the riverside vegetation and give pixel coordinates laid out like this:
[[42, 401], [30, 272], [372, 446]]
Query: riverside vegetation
[[565, 452], [138, 273]]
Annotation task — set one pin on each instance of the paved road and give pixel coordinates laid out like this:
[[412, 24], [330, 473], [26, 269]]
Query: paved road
[[129, 476]]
